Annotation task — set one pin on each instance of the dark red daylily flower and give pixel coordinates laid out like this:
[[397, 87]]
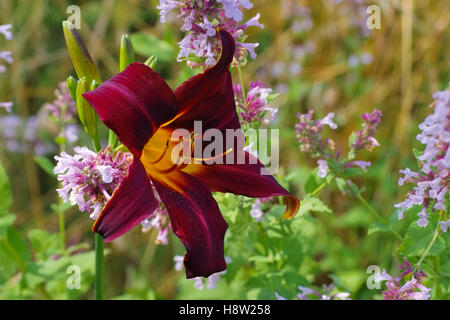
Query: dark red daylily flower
[[142, 110]]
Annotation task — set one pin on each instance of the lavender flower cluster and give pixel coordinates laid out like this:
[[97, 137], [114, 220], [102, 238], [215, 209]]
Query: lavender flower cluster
[[7, 57], [401, 289], [432, 181], [20, 135], [365, 137], [256, 104], [201, 20], [199, 282], [309, 135], [89, 178], [311, 294], [159, 220], [63, 107]]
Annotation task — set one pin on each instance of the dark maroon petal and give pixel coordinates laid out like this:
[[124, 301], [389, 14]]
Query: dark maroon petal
[[134, 103], [196, 220], [132, 202], [244, 179], [209, 96]]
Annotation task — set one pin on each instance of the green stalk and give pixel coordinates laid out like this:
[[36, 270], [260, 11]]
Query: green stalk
[[99, 267], [378, 216], [241, 79], [430, 245], [99, 247]]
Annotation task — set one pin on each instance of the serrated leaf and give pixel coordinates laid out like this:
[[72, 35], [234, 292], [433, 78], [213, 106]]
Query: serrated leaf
[[148, 45], [418, 238], [311, 184], [42, 240], [5, 223], [377, 227], [313, 204]]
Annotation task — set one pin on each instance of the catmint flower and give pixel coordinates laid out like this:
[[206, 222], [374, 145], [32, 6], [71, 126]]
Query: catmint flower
[[364, 137], [401, 289], [309, 134], [7, 57], [5, 29], [256, 104], [63, 105], [444, 225], [431, 182], [89, 179], [323, 168], [199, 282], [201, 20], [7, 106], [159, 221], [311, 294]]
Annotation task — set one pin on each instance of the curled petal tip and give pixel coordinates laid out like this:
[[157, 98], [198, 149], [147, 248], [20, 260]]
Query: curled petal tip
[[292, 206]]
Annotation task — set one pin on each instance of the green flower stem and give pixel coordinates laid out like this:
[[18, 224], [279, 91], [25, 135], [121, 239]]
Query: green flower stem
[[427, 250], [241, 80], [99, 267], [378, 216], [99, 249]]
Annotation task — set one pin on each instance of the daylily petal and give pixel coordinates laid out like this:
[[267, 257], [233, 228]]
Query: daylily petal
[[244, 179], [132, 202], [134, 103], [209, 97], [196, 220]]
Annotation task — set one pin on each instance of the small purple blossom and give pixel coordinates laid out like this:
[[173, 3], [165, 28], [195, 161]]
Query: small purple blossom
[[323, 168], [362, 164], [63, 105], [309, 134], [89, 179], [365, 137], [7, 106], [311, 294], [431, 182], [5, 29], [201, 20], [400, 288], [199, 282], [159, 221], [256, 103]]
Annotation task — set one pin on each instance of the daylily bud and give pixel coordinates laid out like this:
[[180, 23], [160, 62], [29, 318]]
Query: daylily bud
[[82, 61], [151, 62], [126, 52], [87, 114], [72, 87]]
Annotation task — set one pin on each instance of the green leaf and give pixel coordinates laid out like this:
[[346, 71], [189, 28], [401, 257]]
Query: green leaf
[[313, 204], [45, 164], [16, 247], [42, 240], [418, 238], [311, 184], [377, 227], [5, 192], [271, 97], [148, 45], [5, 223]]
